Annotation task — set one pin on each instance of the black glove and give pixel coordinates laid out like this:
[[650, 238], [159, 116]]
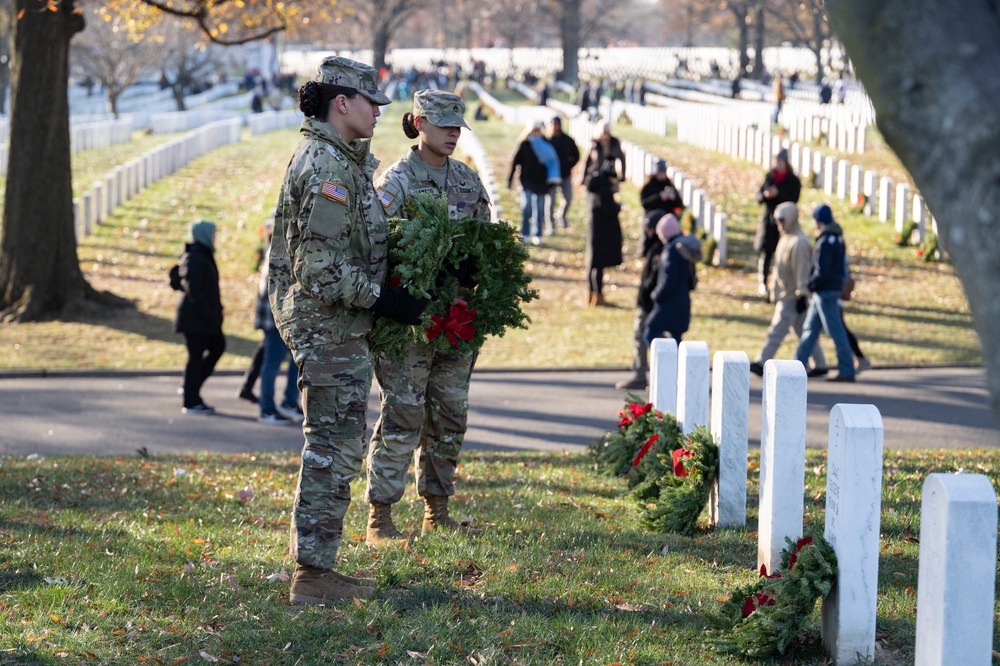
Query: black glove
[[464, 271], [396, 303], [801, 304]]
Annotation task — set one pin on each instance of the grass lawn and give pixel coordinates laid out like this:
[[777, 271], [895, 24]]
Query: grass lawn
[[164, 560], [905, 312]]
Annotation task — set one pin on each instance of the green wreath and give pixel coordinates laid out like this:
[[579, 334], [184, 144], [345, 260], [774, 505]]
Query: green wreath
[[678, 482], [761, 619], [620, 452], [425, 252]]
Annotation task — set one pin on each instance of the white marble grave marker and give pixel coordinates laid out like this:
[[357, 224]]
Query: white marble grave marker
[[884, 198], [727, 506], [782, 459], [957, 573], [663, 374], [853, 510], [692, 385]]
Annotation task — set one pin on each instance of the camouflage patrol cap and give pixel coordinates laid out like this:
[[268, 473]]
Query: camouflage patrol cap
[[341, 71], [443, 109]]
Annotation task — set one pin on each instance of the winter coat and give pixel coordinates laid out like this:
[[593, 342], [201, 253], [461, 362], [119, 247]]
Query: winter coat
[[672, 295], [602, 157], [650, 269], [534, 177], [792, 262], [829, 266], [569, 154], [199, 308], [789, 189], [604, 244], [649, 195]]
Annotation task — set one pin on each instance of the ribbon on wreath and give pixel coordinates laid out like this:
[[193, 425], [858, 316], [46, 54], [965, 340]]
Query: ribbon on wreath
[[677, 455], [644, 450], [456, 325]]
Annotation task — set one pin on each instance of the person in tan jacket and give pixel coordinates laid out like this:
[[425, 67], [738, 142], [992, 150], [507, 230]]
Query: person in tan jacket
[[793, 259]]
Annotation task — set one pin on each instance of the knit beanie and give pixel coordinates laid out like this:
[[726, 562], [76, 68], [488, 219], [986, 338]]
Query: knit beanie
[[203, 233], [667, 227], [823, 214]]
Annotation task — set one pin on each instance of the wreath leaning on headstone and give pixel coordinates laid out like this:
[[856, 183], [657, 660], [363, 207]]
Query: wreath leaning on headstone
[[670, 474], [761, 619], [473, 272]]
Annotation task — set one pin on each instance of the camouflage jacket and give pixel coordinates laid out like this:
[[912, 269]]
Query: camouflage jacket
[[466, 195], [328, 256]]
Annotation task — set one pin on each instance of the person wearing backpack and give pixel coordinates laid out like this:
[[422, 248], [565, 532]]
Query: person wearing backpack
[[199, 313], [676, 277]]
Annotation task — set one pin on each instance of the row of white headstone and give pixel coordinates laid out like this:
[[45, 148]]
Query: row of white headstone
[[126, 180], [958, 529], [82, 136], [838, 177]]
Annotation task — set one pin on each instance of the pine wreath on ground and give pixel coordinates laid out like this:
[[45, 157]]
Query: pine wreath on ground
[[762, 619]]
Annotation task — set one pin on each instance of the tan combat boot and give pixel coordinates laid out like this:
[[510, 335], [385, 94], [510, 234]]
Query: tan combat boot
[[381, 530], [311, 585], [436, 517]]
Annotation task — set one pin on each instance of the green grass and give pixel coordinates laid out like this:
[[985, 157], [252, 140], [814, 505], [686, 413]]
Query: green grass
[[905, 311], [127, 560]]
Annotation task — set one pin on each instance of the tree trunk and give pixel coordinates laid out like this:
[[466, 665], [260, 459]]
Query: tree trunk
[[744, 40], [758, 56], [939, 115], [569, 32], [380, 42], [40, 273], [113, 94], [816, 43]]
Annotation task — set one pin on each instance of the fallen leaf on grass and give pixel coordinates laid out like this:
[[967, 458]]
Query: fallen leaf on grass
[[55, 618], [207, 657], [245, 495], [59, 580], [179, 660], [908, 536]]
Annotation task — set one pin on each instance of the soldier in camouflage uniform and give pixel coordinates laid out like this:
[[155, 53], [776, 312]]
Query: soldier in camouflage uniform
[[425, 396], [328, 265]]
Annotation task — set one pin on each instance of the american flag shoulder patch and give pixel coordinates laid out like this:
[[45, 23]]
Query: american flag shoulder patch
[[384, 197], [334, 191]]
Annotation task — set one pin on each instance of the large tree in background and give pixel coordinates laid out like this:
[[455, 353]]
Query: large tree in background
[[108, 53], [803, 23], [40, 273], [930, 69], [381, 19]]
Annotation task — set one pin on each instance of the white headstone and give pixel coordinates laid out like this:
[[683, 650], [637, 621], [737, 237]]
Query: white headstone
[[730, 418], [692, 385], [782, 459], [902, 205], [697, 201], [920, 216], [830, 175], [843, 178], [687, 191], [663, 374], [853, 510], [99, 201], [884, 199], [719, 231], [957, 572], [857, 173], [87, 210], [708, 219], [868, 189]]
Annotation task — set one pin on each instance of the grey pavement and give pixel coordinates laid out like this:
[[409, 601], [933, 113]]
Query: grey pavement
[[116, 414]]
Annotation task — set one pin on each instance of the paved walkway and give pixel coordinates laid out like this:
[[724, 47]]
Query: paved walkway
[[115, 414]]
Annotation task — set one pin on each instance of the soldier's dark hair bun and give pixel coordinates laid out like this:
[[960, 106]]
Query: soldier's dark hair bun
[[309, 101], [409, 129]]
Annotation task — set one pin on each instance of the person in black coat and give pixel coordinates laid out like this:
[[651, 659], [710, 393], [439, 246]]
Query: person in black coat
[[604, 242], [199, 314], [780, 185], [569, 156], [534, 184], [659, 193]]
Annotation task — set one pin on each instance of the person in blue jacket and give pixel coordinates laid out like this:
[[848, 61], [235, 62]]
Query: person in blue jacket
[[826, 281], [676, 277]]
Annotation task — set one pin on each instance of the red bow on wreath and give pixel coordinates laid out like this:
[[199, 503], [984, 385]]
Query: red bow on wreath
[[678, 463], [456, 325]]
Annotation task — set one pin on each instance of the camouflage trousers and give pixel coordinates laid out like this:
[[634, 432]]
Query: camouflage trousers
[[333, 456], [425, 407]]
